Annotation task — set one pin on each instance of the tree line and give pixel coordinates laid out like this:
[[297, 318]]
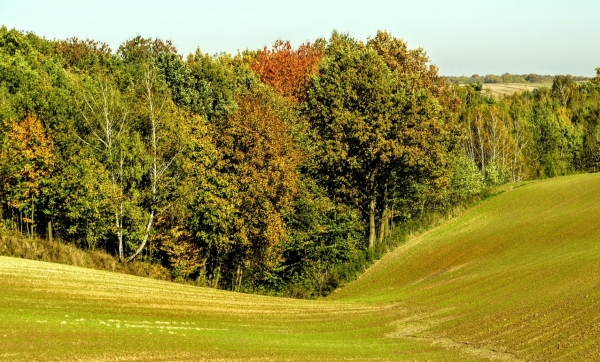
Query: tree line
[[281, 170], [549, 132], [508, 78]]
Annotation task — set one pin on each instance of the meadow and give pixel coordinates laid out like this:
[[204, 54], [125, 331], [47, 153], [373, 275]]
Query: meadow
[[513, 278]]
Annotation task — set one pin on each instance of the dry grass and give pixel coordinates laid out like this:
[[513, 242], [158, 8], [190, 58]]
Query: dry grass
[[503, 89], [12, 244]]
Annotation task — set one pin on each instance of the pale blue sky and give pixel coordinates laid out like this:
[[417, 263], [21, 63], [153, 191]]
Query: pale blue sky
[[462, 37]]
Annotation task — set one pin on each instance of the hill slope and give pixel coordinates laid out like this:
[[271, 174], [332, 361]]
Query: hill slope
[[520, 272], [54, 312], [516, 277]]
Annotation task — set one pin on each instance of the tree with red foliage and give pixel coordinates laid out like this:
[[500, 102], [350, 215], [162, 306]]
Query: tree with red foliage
[[288, 70]]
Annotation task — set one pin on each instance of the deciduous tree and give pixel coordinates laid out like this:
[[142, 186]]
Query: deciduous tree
[[26, 161], [288, 70], [258, 150]]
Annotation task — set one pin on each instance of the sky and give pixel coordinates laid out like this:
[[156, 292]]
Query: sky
[[461, 37]]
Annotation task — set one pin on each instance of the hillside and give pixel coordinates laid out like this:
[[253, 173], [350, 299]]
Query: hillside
[[54, 312], [518, 272], [513, 278]]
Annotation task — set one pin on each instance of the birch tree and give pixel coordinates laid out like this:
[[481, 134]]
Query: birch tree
[[104, 127], [158, 117]]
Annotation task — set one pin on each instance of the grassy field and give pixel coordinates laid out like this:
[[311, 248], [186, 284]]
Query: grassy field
[[53, 312], [502, 89], [519, 273], [515, 278]]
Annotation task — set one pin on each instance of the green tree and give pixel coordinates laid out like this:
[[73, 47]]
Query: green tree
[[426, 113], [350, 105], [556, 139], [519, 110], [563, 89], [83, 200], [596, 79], [373, 122], [105, 127], [215, 86], [491, 78], [467, 180]]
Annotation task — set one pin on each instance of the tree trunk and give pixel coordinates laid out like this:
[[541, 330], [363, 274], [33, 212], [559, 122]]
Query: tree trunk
[[119, 236], [32, 232], [482, 150], [391, 226], [384, 217], [146, 235], [238, 278], [50, 230], [216, 276], [372, 231], [388, 226], [383, 228], [149, 85]]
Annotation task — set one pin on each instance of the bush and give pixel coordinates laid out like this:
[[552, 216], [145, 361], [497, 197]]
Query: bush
[[467, 180], [496, 174]]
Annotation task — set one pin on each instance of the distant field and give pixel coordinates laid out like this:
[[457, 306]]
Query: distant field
[[515, 278], [500, 89]]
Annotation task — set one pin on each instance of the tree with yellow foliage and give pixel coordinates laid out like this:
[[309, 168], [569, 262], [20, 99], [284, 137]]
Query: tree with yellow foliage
[[26, 161]]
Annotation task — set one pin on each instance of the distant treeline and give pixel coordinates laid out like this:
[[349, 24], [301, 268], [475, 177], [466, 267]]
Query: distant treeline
[[281, 170], [508, 78]]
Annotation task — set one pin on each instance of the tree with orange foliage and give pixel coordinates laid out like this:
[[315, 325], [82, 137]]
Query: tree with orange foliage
[[25, 161], [261, 158], [288, 70]]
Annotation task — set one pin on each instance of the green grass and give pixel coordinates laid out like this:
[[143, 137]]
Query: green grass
[[59, 312], [516, 277]]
